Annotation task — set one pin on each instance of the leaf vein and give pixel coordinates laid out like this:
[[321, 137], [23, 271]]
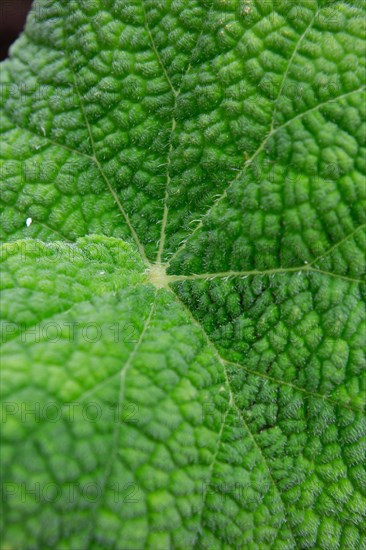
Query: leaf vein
[[250, 160], [292, 57], [103, 175], [116, 431]]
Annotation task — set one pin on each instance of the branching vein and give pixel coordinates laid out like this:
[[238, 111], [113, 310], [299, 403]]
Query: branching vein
[[103, 175], [229, 274], [231, 396], [285, 74], [307, 267], [116, 431], [240, 173]]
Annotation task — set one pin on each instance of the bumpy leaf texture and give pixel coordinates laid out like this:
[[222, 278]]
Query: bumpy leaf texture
[[184, 276]]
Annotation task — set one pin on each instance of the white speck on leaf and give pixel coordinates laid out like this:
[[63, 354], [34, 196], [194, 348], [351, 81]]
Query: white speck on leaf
[[28, 222]]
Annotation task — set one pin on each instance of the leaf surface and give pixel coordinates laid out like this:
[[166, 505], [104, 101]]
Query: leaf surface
[[184, 276]]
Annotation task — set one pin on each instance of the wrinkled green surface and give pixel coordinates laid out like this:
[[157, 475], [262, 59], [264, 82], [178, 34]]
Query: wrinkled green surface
[[185, 313]]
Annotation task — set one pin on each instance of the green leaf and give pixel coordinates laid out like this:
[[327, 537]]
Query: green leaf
[[183, 276]]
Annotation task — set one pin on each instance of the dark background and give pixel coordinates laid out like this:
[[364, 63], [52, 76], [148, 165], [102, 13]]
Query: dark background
[[12, 18]]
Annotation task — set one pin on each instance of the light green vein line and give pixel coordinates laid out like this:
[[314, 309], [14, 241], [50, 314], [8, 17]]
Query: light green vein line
[[50, 141], [176, 94], [102, 173], [285, 74], [293, 386], [157, 54], [212, 346], [337, 244], [228, 274], [264, 459], [211, 470], [173, 125], [116, 431], [250, 160]]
